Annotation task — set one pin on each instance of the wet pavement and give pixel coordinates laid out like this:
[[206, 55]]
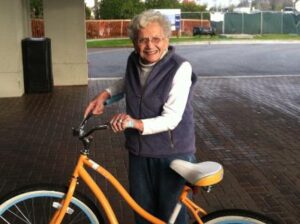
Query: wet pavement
[[250, 125]]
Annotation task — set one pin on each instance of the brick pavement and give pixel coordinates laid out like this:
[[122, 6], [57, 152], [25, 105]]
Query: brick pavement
[[250, 125]]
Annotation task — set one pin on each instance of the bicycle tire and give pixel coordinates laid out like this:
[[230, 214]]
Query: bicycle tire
[[236, 216], [35, 205]]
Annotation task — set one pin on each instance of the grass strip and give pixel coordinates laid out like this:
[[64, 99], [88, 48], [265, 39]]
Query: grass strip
[[126, 42]]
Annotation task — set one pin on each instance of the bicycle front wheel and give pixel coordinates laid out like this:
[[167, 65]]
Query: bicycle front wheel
[[236, 216], [39, 205]]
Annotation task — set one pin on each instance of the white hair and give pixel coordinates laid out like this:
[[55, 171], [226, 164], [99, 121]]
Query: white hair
[[142, 20]]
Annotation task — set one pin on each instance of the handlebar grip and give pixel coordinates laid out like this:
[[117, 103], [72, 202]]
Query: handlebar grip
[[113, 99]]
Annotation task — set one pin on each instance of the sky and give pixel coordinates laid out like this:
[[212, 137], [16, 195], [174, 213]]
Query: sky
[[89, 3], [224, 3], [209, 3]]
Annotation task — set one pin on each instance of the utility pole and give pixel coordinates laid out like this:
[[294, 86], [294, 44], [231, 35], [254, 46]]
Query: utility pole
[[250, 5], [95, 9], [216, 5]]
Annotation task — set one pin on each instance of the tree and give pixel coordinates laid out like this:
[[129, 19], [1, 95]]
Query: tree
[[110, 9], [192, 7], [189, 10], [131, 8], [88, 12], [261, 4], [162, 4], [275, 5], [36, 8], [243, 3], [120, 9], [230, 8], [278, 5], [96, 10]]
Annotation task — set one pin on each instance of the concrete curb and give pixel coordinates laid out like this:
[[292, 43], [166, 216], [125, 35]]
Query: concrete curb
[[238, 42]]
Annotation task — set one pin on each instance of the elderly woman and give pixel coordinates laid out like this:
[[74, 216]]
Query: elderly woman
[[158, 122]]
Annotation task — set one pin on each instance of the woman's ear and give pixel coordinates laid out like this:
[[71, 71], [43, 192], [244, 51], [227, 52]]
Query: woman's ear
[[135, 46]]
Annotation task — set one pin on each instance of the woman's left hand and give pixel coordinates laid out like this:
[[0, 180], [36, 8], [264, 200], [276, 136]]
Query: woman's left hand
[[120, 122]]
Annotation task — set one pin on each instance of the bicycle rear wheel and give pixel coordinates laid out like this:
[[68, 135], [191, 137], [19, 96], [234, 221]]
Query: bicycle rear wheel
[[236, 216], [37, 205]]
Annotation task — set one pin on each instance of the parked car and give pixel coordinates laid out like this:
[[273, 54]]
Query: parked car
[[198, 30], [288, 10]]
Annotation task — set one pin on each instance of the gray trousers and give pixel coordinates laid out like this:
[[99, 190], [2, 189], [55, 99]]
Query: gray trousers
[[156, 187]]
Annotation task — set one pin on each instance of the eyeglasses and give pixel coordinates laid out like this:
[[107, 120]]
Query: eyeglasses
[[154, 40]]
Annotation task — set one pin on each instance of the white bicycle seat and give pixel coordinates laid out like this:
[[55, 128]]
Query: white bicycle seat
[[199, 174]]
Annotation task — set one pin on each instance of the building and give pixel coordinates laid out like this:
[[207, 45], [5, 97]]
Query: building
[[68, 43]]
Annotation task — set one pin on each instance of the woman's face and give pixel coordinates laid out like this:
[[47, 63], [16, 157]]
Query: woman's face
[[151, 43]]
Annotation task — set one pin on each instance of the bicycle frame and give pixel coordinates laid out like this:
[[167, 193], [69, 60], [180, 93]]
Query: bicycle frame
[[81, 172]]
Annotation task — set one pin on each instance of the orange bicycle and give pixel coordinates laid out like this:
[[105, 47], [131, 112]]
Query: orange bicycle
[[46, 204]]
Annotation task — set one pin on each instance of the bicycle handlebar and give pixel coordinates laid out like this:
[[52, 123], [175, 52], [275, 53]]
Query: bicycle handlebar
[[84, 135], [81, 133]]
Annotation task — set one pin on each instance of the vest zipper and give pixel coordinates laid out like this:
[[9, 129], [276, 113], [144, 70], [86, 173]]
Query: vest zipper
[[171, 139], [140, 111]]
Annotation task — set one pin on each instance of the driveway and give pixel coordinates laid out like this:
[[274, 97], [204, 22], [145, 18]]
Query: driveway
[[252, 59]]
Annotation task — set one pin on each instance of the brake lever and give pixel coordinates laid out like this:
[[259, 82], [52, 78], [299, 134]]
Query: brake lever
[[79, 130], [85, 119], [76, 131]]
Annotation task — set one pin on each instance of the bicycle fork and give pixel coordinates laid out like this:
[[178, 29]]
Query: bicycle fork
[[63, 206]]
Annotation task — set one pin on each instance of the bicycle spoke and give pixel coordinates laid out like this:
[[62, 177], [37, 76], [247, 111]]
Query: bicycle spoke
[[33, 210], [25, 207], [48, 210], [4, 220], [75, 218], [36, 207], [24, 218]]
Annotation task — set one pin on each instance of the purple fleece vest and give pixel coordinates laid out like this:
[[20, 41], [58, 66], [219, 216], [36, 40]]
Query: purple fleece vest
[[148, 102]]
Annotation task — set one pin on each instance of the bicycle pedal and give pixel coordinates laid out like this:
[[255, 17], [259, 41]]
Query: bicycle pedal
[[57, 205]]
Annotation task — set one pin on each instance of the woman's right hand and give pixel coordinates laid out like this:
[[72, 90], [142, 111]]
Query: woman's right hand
[[96, 106]]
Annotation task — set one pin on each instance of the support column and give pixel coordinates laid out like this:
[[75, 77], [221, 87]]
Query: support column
[[65, 25], [15, 26]]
